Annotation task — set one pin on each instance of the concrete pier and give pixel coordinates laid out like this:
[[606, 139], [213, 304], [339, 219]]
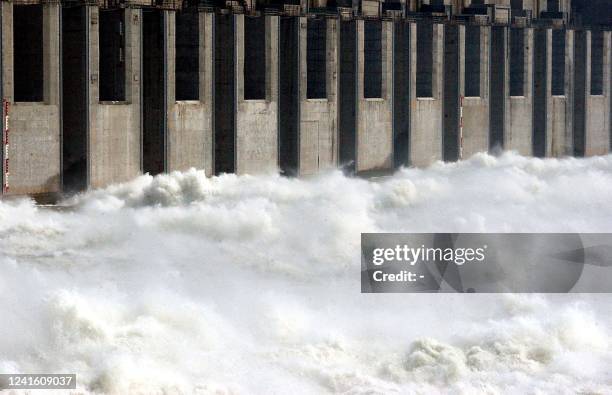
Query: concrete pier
[[34, 151], [475, 97], [318, 121], [257, 116], [597, 128], [426, 109], [375, 108], [190, 120], [114, 137], [519, 121]]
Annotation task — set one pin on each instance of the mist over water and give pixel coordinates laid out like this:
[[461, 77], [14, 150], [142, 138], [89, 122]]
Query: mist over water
[[249, 285]]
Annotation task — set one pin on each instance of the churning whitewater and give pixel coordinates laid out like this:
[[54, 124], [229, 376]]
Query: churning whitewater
[[251, 284]]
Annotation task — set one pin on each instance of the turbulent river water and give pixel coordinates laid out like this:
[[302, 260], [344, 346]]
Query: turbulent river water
[[249, 285]]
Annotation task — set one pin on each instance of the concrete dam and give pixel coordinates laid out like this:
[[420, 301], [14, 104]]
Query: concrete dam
[[97, 92]]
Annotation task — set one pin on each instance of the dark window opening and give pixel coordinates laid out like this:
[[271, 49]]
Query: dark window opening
[[552, 6], [112, 55], [28, 53], [497, 88], [558, 62], [153, 92], [401, 94], [579, 102], [254, 58], [315, 59], [516, 4], [187, 55], [372, 55], [225, 104], [472, 61], [288, 139], [596, 62], [590, 13], [450, 132], [347, 95], [424, 71], [517, 62], [540, 88], [74, 99]]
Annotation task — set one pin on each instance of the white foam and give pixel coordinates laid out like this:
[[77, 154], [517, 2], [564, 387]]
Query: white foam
[[186, 284]]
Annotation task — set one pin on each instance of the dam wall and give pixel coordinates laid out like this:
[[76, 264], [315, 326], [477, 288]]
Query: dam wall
[[96, 93]]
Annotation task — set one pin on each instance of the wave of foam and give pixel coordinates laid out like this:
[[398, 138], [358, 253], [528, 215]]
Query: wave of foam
[[186, 284]]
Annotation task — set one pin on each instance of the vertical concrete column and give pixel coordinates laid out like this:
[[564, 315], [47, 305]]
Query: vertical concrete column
[[7, 50], [207, 73], [318, 124], [519, 131], [375, 115], [34, 151], [597, 129], [257, 120], [560, 108], [475, 109], [549, 103], [51, 53], [190, 128], [426, 115], [114, 143]]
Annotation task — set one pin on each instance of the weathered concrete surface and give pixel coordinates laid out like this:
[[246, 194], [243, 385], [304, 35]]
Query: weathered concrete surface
[[375, 116], [318, 124], [560, 109], [475, 109], [257, 120], [34, 150], [190, 128], [114, 128], [519, 122], [597, 128], [426, 113]]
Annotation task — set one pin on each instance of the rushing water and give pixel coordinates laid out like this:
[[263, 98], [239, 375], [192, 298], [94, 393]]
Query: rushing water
[[182, 283]]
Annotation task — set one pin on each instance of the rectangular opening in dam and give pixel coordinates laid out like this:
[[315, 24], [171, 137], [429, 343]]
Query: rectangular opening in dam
[[254, 58], [497, 92], [540, 89], [558, 63], [597, 46], [153, 95], [472, 61], [450, 139], [348, 94], [187, 43], [372, 59], [28, 53], [288, 95], [74, 98], [401, 94], [424, 60], [552, 5], [112, 55], [517, 61], [225, 104], [316, 68], [580, 60]]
